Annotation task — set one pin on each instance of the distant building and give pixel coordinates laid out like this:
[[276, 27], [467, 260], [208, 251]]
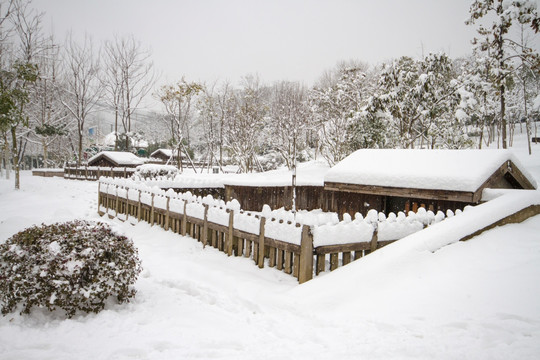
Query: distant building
[[164, 155], [115, 159]]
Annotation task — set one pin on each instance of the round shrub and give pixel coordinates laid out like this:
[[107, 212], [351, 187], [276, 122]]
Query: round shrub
[[72, 266]]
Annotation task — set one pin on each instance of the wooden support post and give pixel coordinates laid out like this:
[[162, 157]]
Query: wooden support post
[[358, 254], [334, 261], [374, 239], [229, 239], [167, 215], [288, 260], [86, 172], [248, 248], [112, 174], [239, 246], [260, 248], [321, 263], [204, 235], [125, 173], [152, 212], [256, 251], [306, 256], [193, 230], [98, 174], [214, 238], [346, 257], [279, 262], [296, 264], [272, 257], [184, 220], [220, 245]]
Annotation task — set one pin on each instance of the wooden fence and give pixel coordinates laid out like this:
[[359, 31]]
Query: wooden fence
[[94, 173], [302, 261]]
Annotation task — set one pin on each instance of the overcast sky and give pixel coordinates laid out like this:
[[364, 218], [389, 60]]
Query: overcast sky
[[208, 40]]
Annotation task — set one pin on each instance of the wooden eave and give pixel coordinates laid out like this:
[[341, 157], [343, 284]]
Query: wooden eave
[[508, 168], [463, 196]]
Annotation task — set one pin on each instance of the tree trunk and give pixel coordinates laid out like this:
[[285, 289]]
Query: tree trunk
[[503, 119], [45, 155], [15, 157], [79, 157], [116, 128]]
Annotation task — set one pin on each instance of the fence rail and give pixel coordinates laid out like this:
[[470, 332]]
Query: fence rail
[[93, 173], [302, 260]]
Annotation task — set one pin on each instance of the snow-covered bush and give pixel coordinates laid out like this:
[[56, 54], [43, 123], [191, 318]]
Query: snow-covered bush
[[72, 266], [153, 171]]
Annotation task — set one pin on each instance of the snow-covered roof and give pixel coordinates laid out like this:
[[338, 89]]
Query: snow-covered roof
[[454, 170], [118, 157], [166, 152], [307, 174]]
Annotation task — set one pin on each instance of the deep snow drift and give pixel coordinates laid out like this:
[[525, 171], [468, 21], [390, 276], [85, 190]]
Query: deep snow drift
[[469, 300]]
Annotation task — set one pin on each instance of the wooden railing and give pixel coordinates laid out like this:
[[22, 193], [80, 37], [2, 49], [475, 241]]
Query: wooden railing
[[302, 260], [93, 173]]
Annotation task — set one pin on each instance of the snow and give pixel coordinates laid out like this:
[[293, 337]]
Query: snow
[[424, 297], [456, 170], [307, 174], [119, 157]]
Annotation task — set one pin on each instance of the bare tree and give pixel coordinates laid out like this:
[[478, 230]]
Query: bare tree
[[129, 78], [178, 100], [244, 121], [83, 88], [47, 115], [289, 119]]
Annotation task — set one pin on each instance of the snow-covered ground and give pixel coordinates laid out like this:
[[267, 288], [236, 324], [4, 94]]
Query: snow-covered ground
[[469, 300]]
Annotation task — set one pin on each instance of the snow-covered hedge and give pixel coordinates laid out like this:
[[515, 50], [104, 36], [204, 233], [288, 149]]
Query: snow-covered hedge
[[153, 171], [73, 266]]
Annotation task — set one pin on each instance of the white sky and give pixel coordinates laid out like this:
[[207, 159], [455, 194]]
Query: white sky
[[209, 40]]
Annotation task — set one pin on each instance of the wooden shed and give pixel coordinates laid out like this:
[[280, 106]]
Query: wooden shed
[[401, 180], [115, 159], [164, 155], [387, 181]]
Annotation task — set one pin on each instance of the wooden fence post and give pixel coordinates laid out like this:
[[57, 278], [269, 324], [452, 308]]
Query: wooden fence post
[[139, 207], [306, 255], [374, 239], [184, 220], [229, 240], [117, 202], [260, 250], [152, 212], [98, 195], [167, 215], [204, 235], [86, 171]]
